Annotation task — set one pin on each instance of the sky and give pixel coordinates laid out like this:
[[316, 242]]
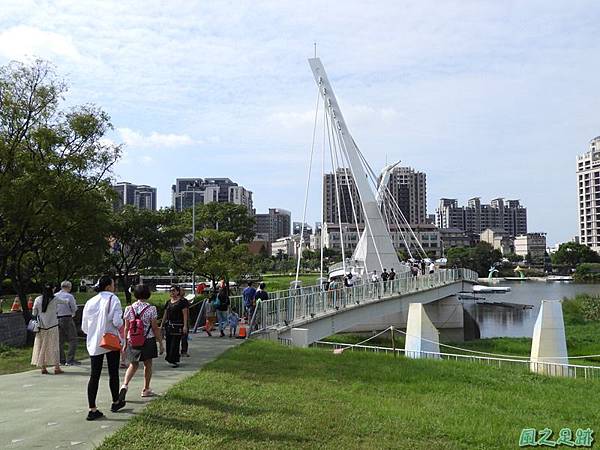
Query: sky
[[488, 98]]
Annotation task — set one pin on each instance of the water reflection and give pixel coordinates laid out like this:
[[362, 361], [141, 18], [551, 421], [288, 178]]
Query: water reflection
[[501, 321]]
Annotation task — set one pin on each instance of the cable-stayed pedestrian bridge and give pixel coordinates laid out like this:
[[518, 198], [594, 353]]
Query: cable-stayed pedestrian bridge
[[304, 315]]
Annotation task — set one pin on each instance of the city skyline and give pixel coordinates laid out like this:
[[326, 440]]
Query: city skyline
[[485, 98]]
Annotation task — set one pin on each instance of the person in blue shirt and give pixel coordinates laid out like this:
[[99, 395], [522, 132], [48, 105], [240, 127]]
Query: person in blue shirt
[[234, 320], [248, 295]]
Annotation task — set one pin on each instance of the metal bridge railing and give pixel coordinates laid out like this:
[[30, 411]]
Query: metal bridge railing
[[285, 308], [546, 368]]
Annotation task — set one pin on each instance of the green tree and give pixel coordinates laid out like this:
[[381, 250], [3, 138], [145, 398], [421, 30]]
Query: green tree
[[478, 258], [224, 217], [220, 255], [137, 237], [572, 254], [54, 164]]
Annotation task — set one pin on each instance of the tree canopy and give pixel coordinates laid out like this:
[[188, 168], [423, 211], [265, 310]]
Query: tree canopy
[[478, 258], [572, 254], [54, 188]]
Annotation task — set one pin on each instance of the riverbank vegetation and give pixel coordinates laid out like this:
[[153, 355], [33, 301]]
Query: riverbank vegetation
[[268, 396]]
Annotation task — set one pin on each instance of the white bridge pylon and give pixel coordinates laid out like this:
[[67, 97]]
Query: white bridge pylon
[[422, 337], [375, 249]]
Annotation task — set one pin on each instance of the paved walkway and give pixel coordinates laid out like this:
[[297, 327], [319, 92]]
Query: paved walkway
[[48, 411]]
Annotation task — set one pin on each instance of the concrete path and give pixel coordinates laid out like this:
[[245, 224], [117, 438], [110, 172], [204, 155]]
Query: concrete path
[[48, 411]]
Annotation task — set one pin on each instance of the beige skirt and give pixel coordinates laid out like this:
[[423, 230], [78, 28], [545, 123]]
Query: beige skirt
[[46, 348]]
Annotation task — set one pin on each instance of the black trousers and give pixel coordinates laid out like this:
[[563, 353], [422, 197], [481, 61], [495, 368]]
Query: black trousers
[[173, 344], [97, 361], [184, 343]]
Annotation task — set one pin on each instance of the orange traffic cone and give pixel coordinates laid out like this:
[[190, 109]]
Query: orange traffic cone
[[16, 306], [30, 303], [242, 334]]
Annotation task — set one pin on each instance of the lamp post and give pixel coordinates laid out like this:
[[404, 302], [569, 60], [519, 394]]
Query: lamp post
[[195, 185]]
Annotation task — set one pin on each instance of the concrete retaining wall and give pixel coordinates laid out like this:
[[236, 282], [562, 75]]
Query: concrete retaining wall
[[13, 330]]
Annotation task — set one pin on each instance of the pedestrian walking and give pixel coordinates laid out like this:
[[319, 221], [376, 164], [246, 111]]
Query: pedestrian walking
[[233, 319], [431, 267], [101, 319], [222, 307], [392, 274], [185, 337], [67, 330], [175, 324], [384, 277], [142, 332], [261, 295], [423, 265], [46, 350], [248, 297], [374, 277]]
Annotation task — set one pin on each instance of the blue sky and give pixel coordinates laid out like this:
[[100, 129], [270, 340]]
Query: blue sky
[[488, 98]]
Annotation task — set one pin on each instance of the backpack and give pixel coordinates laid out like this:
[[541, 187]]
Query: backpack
[[137, 337]]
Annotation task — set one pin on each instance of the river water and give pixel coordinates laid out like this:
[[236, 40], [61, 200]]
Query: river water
[[500, 321]]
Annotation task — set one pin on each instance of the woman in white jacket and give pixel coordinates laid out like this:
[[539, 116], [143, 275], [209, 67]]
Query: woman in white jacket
[[102, 314]]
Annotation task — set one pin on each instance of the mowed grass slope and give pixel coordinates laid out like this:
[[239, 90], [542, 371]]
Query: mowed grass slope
[[263, 395]]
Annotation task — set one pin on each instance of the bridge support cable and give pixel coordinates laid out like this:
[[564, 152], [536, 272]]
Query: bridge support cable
[[337, 148], [368, 222], [322, 241], [312, 150], [387, 192], [337, 196]]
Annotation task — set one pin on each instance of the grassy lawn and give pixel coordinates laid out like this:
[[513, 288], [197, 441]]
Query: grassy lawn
[[278, 282], [18, 359], [263, 395]]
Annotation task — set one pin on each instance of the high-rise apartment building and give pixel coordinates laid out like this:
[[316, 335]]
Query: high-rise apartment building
[[186, 191], [407, 187], [273, 225], [409, 190], [141, 196], [509, 216], [340, 185], [588, 187]]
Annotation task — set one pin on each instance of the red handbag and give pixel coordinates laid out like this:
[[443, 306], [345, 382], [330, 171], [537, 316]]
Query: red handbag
[[110, 341]]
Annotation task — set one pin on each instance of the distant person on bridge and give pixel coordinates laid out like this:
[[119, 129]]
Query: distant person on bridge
[[384, 277], [431, 267], [349, 280], [423, 265], [392, 274], [374, 277], [248, 296]]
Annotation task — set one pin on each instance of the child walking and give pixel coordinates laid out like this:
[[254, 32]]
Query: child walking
[[233, 319]]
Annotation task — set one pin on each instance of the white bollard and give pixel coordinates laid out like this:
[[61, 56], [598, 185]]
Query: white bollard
[[549, 344], [300, 337], [418, 328]]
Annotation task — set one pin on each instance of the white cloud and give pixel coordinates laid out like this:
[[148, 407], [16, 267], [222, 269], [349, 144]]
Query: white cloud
[[154, 140], [26, 41]]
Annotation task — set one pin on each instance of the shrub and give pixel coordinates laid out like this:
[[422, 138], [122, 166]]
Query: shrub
[[590, 308]]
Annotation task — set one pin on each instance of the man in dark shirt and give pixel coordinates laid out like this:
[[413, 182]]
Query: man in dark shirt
[[384, 277]]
